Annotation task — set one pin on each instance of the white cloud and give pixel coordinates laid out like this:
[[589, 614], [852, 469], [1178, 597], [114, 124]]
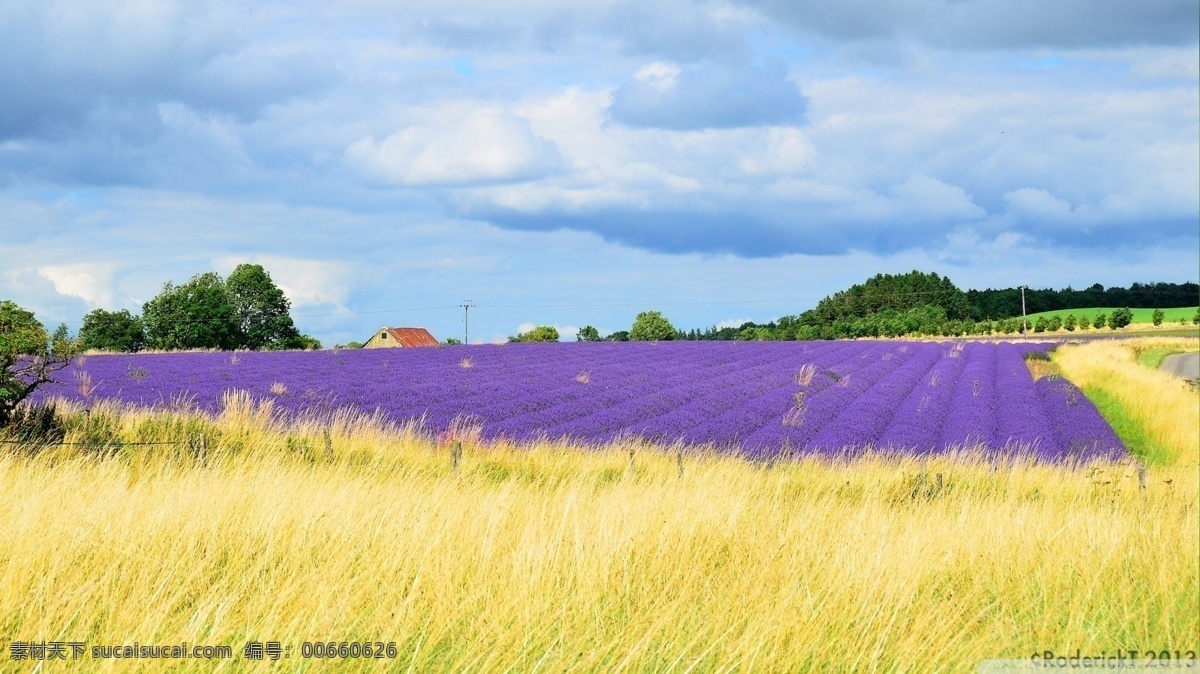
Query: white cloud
[[460, 145], [733, 323], [1039, 204], [659, 76], [306, 283], [90, 282], [932, 199]]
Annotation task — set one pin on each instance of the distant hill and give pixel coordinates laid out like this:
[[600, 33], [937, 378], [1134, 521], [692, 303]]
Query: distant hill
[[889, 305]]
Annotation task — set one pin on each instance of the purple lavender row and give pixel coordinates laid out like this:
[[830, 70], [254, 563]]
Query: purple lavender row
[[671, 387], [682, 422], [971, 421], [744, 411], [921, 412], [1021, 421], [862, 421], [1081, 432], [852, 375]]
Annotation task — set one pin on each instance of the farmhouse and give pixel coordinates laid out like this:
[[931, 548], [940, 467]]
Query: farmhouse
[[400, 337]]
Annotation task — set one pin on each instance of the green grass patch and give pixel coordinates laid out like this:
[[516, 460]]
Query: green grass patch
[[1170, 316], [1153, 358], [1127, 427]]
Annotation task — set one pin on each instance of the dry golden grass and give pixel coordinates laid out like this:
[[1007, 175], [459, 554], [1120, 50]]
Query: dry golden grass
[[1166, 408], [556, 559]]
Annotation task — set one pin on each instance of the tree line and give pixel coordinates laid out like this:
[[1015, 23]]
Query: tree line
[[1006, 303], [918, 303], [245, 311]]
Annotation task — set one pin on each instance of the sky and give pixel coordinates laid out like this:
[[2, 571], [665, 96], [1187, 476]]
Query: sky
[[575, 163]]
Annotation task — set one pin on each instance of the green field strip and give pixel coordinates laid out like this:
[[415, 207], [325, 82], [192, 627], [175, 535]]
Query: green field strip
[[1128, 427], [1170, 316]]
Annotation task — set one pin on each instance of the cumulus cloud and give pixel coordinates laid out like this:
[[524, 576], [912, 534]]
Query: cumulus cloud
[[90, 282], [307, 283], [665, 95], [462, 146]]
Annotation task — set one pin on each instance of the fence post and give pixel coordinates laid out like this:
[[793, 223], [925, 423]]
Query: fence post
[[679, 460], [455, 455], [1142, 477], [328, 445]]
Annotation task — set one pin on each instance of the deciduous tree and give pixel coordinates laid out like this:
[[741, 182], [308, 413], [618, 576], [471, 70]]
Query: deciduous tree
[[651, 326], [542, 333], [28, 358], [112, 331], [196, 315], [261, 310]]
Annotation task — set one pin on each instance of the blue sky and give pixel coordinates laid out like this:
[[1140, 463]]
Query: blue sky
[[575, 163]]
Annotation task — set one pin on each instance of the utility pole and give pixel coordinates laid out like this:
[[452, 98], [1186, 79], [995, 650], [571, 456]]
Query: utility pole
[[1024, 323], [466, 305]]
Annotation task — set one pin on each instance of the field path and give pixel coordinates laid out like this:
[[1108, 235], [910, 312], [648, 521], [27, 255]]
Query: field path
[[1186, 365]]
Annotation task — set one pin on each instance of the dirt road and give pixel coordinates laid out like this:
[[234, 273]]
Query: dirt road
[[1186, 365]]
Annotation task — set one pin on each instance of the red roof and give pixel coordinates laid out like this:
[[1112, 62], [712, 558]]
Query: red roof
[[411, 336]]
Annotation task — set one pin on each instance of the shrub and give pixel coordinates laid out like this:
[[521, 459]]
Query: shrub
[[1120, 318], [1054, 324], [1069, 324], [542, 333], [36, 424], [1084, 322], [1157, 317], [1101, 320]]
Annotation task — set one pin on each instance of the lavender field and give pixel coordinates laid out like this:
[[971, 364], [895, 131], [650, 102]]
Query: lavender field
[[756, 398]]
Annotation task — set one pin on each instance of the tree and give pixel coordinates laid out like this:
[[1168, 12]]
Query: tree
[[587, 334], [1120, 318], [261, 310], [542, 333], [1041, 324], [1084, 322], [1054, 324], [651, 326], [196, 315], [305, 342], [618, 336], [1100, 321], [450, 341], [28, 358], [112, 331], [1196, 318], [1157, 317], [1069, 324]]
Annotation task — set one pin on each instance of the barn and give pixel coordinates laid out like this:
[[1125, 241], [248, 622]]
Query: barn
[[400, 337]]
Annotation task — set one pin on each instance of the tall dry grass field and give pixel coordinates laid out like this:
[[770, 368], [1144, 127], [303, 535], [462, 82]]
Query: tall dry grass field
[[554, 559], [1163, 408]]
